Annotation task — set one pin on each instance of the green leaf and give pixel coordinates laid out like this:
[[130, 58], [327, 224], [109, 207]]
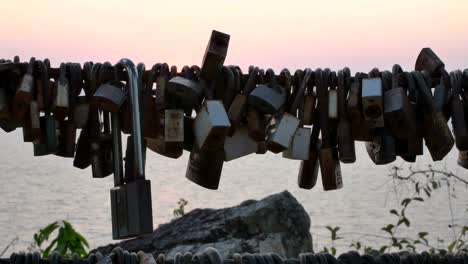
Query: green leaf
[[333, 251], [388, 229], [418, 199], [382, 249], [422, 234], [393, 211], [451, 246], [405, 202]]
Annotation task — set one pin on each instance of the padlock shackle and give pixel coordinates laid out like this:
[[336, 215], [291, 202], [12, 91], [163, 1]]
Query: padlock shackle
[[300, 92], [424, 90], [396, 73], [250, 84], [341, 91], [386, 77], [133, 85], [456, 78]]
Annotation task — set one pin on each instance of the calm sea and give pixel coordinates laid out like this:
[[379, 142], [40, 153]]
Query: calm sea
[[38, 190]]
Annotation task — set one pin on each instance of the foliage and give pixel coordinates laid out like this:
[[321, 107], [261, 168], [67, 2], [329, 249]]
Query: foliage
[[67, 242], [180, 211], [423, 184]]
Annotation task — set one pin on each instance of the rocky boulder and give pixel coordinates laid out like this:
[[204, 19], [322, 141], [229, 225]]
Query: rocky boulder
[[277, 223]]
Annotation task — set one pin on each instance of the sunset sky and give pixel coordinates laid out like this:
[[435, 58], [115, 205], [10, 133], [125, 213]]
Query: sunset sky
[[360, 34]]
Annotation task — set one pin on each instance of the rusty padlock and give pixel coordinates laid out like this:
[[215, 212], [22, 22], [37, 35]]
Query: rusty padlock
[[328, 153], [299, 145], [24, 93], [458, 112], [215, 54], [437, 136], [346, 149]]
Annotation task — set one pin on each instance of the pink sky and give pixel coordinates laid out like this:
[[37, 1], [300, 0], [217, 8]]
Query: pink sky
[[360, 34]]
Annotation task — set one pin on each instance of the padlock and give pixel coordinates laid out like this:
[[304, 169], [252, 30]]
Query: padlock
[[360, 129], [237, 87], [131, 202], [308, 170], [100, 127], [437, 136], [109, 96], [205, 166], [24, 93], [310, 102], [61, 97], [333, 97], [295, 85], [398, 112], [211, 125], [256, 124], [414, 141], [224, 86], [382, 149], [67, 129], [268, 98], [66, 139], [162, 96], [48, 140], [458, 112], [434, 69], [188, 92], [330, 169], [151, 114], [82, 158], [328, 153], [238, 107], [346, 149], [32, 125], [6, 118], [372, 101], [300, 142], [215, 54], [428, 61], [240, 144]]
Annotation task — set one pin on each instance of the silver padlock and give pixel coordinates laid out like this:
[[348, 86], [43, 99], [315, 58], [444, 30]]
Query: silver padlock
[[211, 125], [268, 98], [299, 146], [333, 98], [240, 144], [372, 101]]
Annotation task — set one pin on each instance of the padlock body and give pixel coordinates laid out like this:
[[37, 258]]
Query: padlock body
[[238, 145], [214, 56], [266, 100], [300, 144], [109, 98], [132, 213], [459, 126], [332, 105], [428, 61], [346, 148], [81, 112], [61, 101], [330, 169], [437, 136], [256, 124], [309, 110], [308, 170], [211, 125], [187, 91], [372, 102], [237, 110], [399, 113], [158, 145], [174, 125], [205, 166], [281, 132]]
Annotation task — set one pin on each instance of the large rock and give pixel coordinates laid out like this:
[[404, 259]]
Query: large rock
[[277, 223]]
